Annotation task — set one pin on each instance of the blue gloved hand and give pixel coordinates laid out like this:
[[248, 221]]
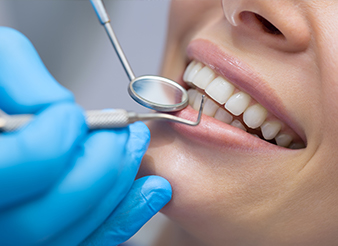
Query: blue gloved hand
[[60, 183]]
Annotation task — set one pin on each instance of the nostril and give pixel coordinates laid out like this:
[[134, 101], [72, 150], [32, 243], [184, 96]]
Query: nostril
[[277, 24], [268, 26], [255, 20]]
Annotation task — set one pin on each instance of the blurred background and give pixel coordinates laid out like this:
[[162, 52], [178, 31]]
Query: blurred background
[[78, 53]]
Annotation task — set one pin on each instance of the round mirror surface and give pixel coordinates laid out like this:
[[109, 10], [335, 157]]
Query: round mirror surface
[[158, 93]]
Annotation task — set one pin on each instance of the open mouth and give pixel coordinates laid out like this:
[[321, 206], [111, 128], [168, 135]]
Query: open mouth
[[230, 105]]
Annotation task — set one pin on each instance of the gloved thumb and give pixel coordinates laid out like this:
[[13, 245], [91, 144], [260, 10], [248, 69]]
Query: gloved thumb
[[147, 196]]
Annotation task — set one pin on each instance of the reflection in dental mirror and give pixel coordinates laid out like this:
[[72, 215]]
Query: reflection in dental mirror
[[158, 93]]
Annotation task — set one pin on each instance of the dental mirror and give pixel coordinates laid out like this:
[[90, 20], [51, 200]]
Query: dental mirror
[[154, 92], [158, 93]]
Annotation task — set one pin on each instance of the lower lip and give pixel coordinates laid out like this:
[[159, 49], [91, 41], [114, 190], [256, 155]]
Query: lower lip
[[216, 134]]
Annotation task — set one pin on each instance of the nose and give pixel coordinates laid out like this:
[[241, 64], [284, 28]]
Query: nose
[[279, 24]]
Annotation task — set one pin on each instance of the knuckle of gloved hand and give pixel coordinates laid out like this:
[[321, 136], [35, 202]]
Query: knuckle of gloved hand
[[54, 133]]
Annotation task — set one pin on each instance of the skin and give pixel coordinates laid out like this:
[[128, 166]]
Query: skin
[[224, 196]]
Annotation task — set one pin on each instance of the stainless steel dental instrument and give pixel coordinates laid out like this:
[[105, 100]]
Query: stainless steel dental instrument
[[154, 92], [98, 119]]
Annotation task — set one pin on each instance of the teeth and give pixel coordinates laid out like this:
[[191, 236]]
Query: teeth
[[270, 129], [192, 95], [197, 102], [203, 78], [254, 116], [188, 70], [238, 103], [193, 71], [283, 140], [223, 116], [221, 93], [238, 124], [220, 90], [210, 107]]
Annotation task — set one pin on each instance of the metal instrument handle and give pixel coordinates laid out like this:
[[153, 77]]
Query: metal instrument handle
[[98, 119]]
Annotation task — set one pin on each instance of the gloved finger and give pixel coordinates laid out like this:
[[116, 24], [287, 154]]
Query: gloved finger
[[33, 158], [92, 177], [147, 196], [136, 147], [26, 86]]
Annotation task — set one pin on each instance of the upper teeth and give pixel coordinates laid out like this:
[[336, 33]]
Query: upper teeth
[[234, 101]]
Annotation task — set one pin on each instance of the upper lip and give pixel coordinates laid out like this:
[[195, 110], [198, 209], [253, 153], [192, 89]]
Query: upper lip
[[243, 77]]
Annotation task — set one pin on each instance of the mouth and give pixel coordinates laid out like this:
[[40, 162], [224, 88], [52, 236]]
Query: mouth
[[237, 100]]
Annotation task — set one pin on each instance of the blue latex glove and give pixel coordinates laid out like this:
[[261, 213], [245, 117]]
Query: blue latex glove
[[60, 183]]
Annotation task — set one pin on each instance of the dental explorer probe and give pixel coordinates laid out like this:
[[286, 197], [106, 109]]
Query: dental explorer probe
[[104, 19], [146, 89], [98, 119]]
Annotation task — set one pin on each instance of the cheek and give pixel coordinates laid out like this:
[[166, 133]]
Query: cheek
[[186, 15], [214, 189]]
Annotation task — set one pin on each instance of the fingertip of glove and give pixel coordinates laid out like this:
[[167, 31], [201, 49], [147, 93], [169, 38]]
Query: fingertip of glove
[[157, 191], [72, 112], [140, 130], [70, 116], [66, 111], [157, 184], [139, 139], [147, 196]]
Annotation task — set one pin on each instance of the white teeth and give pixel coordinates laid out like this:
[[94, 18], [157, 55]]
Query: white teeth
[[254, 116], [220, 90], [238, 124], [188, 70], [223, 116], [197, 102], [270, 129], [210, 107], [192, 95], [203, 78], [238, 103], [194, 70], [221, 93], [283, 140]]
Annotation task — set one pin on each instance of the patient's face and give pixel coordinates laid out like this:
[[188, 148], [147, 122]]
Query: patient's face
[[262, 167]]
